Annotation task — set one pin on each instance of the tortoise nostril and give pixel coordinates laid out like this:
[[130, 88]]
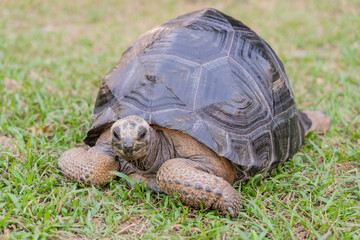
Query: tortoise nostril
[[127, 145]]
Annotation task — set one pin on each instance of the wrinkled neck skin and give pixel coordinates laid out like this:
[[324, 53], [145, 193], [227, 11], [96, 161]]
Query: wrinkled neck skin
[[161, 149]]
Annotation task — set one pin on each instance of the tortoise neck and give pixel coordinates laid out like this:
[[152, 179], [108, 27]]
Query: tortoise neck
[[160, 150]]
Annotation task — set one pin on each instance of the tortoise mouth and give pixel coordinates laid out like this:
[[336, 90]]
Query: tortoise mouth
[[130, 154]]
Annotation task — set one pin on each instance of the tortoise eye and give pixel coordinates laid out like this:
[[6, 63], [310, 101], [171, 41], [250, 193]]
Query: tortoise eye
[[141, 133], [116, 133]]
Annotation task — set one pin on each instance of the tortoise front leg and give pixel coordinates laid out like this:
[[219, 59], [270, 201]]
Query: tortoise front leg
[[196, 186], [91, 167]]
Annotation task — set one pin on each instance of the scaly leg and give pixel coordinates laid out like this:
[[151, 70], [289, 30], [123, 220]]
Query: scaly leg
[[197, 187], [149, 181], [91, 167]]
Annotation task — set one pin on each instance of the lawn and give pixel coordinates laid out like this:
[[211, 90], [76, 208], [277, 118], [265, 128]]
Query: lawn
[[53, 55]]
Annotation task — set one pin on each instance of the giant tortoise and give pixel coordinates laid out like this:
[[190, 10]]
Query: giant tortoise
[[193, 106]]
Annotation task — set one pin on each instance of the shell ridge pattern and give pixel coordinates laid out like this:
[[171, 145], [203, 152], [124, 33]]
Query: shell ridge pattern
[[124, 81], [241, 57], [274, 77], [145, 42], [301, 138], [173, 56], [147, 39], [261, 149], [238, 108], [281, 120], [255, 84], [215, 60], [197, 89], [236, 24], [185, 106], [231, 44], [225, 124], [285, 110], [281, 68], [272, 155], [247, 134], [130, 95], [138, 100], [104, 99], [158, 71], [214, 17]]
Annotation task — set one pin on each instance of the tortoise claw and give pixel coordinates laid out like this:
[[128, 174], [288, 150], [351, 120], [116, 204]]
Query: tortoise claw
[[150, 182]]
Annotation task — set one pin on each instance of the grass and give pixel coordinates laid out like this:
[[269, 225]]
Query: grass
[[52, 57]]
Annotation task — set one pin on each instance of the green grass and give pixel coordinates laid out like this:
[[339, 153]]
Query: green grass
[[52, 58]]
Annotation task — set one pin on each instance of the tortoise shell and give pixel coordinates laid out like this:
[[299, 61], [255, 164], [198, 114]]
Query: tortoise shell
[[210, 76]]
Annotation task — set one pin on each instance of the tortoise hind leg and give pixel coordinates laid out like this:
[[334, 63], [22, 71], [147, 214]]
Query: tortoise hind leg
[[196, 187], [149, 181], [91, 167], [319, 121]]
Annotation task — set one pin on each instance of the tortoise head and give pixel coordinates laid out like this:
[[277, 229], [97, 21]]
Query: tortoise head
[[131, 138]]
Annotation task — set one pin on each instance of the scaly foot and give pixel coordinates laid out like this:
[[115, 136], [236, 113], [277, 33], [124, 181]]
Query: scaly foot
[[197, 187], [91, 167]]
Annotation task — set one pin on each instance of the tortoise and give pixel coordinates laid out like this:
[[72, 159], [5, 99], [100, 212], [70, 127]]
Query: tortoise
[[193, 106]]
